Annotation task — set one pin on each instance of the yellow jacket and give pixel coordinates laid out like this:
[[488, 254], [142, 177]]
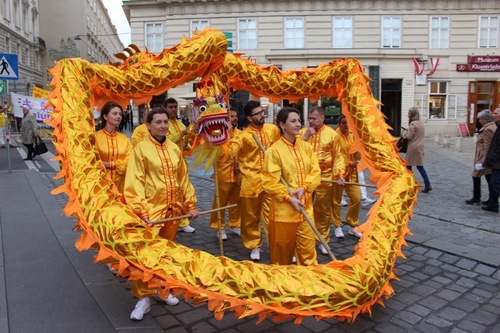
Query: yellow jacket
[[114, 148], [346, 142], [175, 132], [226, 167], [251, 157], [325, 143], [157, 183], [139, 134], [298, 164]]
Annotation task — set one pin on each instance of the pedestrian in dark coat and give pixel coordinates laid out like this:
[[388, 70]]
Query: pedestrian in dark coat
[[493, 161], [28, 132]]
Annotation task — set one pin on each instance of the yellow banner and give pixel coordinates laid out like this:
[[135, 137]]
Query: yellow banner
[[40, 93]]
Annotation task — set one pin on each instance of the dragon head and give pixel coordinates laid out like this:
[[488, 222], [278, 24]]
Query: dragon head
[[211, 119]]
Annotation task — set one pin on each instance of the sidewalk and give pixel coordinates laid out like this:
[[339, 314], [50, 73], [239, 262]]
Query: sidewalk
[[448, 283]]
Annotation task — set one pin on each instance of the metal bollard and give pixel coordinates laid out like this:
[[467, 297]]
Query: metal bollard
[[459, 144], [446, 141], [437, 139]]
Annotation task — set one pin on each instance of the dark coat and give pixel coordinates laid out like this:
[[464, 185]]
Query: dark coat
[[493, 157]]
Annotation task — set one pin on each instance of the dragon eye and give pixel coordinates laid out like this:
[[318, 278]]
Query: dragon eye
[[203, 108], [222, 105]]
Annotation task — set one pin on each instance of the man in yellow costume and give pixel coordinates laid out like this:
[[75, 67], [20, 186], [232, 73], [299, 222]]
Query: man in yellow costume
[[176, 133], [325, 142], [157, 186], [352, 218], [141, 131], [254, 202], [229, 186]]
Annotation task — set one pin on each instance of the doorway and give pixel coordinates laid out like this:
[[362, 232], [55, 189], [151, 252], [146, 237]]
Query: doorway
[[391, 104]]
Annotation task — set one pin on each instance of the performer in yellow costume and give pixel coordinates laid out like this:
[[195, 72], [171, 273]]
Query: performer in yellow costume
[[352, 218], [325, 143], [253, 203], [295, 161], [176, 133], [141, 131], [157, 186], [229, 186], [114, 147]]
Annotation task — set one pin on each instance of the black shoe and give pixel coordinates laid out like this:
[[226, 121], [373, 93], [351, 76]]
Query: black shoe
[[28, 159], [473, 201], [427, 189], [490, 209], [485, 202]]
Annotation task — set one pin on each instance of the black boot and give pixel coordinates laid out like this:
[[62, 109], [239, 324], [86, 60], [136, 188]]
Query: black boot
[[476, 192]]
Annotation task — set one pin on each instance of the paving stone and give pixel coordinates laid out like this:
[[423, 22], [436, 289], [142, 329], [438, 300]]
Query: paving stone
[[482, 292], [472, 327], [420, 310], [423, 290], [389, 328], [484, 270], [438, 322], [433, 302], [448, 295], [448, 258], [452, 313], [466, 282], [466, 264], [409, 317], [488, 280], [483, 317], [465, 304], [434, 254], [442, 280], [466, 273]]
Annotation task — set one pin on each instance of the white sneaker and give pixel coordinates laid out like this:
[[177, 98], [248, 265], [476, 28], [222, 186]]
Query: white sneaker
[[343, 202], [236, 231], [255, 254], [142, 307], [354, 232], [339, 233], [171, 300], [322, 249], [224, 236], [187, 228], [367, 201]]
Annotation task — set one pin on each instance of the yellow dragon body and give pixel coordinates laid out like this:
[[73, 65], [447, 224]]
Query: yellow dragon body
[[339, 289]]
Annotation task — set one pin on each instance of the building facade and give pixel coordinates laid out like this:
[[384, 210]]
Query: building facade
[[441, 56], [78, 28], [20, 35]]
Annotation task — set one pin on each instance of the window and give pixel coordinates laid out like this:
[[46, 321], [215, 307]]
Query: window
[[441, 104], [294, 33], [247, 34], [391, 31], [198, 25], [342, 32], [488, 31], [440, 32], [154, 37]]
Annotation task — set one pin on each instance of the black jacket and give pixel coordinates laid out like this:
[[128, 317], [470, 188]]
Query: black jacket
[[493, 157]]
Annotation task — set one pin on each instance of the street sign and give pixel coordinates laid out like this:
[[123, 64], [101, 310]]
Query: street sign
[[8, 67], [229, 37]]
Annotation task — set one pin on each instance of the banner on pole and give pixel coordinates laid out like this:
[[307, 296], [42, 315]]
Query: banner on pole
[[36, 106]]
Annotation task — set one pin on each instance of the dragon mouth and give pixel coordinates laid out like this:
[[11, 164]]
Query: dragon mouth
[[214, 128]]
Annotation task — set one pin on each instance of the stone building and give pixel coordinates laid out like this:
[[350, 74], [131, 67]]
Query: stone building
[[441, 56]]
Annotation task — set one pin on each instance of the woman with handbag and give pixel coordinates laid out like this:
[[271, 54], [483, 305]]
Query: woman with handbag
[[415, 152], [28, 132]]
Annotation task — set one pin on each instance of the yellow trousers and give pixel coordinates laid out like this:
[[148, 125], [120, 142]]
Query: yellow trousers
[[252, 211], [139, 288], [229, 193], [288, 239], [323, 210], [354, 195]]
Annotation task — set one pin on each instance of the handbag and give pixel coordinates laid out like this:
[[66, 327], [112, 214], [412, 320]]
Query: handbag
[[40, 147], [402, 145]]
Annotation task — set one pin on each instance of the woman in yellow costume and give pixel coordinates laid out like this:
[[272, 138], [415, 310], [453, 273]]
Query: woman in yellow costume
[[295, 161], [157, 186], [346, 141], [114, 147]]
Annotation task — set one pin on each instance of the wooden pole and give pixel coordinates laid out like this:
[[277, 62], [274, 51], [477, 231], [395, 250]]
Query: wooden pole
[[187, 215], [347, 183], [302, 211], [217, 204]]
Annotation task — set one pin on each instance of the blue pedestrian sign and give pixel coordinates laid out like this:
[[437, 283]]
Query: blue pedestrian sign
[[8, 67]]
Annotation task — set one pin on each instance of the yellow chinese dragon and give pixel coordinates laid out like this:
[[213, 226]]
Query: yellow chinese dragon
[[339, 289]]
